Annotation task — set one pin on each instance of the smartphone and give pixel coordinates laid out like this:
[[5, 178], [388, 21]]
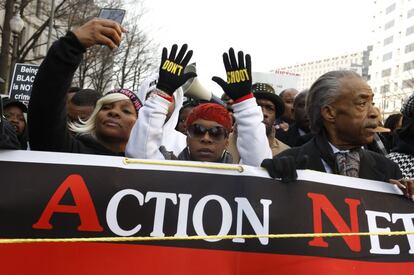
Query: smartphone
[[116, 15]]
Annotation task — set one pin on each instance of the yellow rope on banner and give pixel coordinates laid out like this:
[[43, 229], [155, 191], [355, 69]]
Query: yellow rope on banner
[[193, 238], [234, 167]]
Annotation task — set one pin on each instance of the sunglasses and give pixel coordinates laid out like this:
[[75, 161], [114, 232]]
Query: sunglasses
[[217, 133]]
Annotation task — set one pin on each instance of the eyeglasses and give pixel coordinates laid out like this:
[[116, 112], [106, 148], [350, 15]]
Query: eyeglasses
[[217, 133]]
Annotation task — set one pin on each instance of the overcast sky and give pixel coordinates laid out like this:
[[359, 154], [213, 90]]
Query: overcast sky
[[275, 33]]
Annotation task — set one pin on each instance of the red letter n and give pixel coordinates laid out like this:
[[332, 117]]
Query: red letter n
[[83, 205], [322, 204]]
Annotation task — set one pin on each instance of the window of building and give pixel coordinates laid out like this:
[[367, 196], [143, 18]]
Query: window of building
[[389, 25], [409, 31], [409, 48], [409, 65], [410, 13], [386, 72], [408, 83], [390, 8], [385, 89], [39, 6], [387, 56], [388, 40]]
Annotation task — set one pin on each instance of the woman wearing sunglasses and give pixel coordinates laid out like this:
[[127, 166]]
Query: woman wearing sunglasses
[[208, 125], [208, 128]]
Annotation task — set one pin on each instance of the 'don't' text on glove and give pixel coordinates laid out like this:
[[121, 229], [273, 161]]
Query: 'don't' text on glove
[[171, 74]]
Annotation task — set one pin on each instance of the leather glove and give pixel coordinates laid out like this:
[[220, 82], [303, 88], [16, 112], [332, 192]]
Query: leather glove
[[284, 167], [171, 75], [239, 75]]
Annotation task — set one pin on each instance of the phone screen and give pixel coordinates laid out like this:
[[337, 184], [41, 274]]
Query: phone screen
[[116, 15]]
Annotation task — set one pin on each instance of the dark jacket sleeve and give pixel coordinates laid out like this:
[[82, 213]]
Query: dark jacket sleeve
[[396, 171], [47, 107]]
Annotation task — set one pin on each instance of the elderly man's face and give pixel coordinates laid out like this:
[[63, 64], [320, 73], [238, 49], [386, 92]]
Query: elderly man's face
[[352, 118]]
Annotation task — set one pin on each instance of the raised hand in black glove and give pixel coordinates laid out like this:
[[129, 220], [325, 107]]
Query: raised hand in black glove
[[239, 75], [172, 75], [284, 167]]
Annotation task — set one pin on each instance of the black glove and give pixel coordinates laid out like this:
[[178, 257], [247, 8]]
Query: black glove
[[239, 77], [172, 75], [284, 167]]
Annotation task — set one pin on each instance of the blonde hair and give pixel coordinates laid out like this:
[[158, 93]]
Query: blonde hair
[[88, 127]]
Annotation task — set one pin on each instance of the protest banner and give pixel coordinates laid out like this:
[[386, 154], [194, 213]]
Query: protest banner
[[57, 195], [22, 82]]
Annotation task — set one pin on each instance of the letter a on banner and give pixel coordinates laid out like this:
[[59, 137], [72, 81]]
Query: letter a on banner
[[322, 204], [84, 206]]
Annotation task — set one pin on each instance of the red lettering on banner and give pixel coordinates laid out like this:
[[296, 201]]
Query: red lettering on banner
[[84, 206], [322, 204]]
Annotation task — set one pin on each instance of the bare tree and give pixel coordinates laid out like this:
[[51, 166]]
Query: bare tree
[[135, 58], [66, 12], [102, 69]]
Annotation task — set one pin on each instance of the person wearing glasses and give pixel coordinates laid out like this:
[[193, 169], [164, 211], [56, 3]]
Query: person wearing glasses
[[208, 125]]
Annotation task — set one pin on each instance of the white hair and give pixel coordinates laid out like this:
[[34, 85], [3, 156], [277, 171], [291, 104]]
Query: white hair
[[88, 127], [324, 91]]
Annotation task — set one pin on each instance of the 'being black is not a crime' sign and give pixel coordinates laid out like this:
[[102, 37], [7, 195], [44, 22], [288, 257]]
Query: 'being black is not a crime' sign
[[22, 82]]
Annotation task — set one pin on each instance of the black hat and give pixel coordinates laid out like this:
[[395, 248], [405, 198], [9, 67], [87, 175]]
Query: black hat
[[265, 91], [13, 102]]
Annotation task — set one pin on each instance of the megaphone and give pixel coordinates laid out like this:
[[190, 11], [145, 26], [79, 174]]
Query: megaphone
[[193, 88]]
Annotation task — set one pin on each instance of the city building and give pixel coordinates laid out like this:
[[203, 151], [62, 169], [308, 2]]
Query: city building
[[392, 57], [310, 71]]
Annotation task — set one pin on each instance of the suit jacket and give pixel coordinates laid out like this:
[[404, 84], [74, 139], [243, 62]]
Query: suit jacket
[[373, 166]]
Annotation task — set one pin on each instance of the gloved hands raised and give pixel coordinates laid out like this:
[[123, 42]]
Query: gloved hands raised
[[171, 75], [239, 75], [284, 167]]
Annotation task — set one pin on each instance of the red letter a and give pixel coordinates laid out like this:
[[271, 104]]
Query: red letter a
[[83, 205], [321, 203]]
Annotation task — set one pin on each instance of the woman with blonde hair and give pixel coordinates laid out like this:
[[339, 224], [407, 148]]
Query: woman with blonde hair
[[107, 131]]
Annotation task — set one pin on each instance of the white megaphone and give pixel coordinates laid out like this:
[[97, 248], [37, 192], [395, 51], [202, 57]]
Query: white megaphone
[[193, 88]]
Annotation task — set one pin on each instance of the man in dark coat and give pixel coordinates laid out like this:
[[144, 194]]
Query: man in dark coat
[[343, 119], [298, 132]]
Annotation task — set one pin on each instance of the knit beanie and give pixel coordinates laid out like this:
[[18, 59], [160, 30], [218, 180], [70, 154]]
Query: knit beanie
[[211, 112], [131, 95]]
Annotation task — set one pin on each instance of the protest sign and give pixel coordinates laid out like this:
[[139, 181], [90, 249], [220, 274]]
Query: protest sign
[[22, 82]]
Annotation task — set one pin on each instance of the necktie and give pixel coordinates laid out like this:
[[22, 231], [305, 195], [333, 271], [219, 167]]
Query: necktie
[[348, 163]]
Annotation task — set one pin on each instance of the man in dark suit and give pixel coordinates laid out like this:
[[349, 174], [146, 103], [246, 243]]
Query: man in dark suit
[[298, 132], [342, 118]]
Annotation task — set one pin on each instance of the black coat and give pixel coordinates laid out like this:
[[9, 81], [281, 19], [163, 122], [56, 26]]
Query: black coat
[[47, 108], [373, 166], [8, 138], [292, 136]]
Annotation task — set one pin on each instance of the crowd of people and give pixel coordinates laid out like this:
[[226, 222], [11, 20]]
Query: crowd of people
[[333, 127]]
